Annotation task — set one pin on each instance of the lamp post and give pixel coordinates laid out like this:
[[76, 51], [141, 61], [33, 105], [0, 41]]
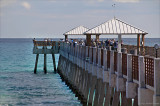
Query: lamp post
[[156, 47]]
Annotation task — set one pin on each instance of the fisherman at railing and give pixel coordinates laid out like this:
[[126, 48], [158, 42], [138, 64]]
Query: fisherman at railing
[[101, 44]]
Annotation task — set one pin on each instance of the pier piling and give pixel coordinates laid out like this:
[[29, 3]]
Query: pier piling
[[41, 47], [45, 64], [54, 63], [35, 68]]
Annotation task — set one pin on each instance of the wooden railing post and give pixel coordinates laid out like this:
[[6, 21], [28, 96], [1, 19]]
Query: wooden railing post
[[88, 39]]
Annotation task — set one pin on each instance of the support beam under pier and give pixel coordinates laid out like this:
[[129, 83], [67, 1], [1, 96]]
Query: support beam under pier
[[45, 64], [35, 68], [54, 63]]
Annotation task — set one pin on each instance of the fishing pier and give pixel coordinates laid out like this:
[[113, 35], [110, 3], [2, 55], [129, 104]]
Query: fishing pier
[[104, 76], [41, 47]]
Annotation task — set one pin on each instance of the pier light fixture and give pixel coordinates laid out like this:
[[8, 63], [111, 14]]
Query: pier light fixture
[[156, 46]]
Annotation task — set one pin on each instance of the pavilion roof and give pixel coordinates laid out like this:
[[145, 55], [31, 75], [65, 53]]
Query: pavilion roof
[[77, 31], [115, 27]]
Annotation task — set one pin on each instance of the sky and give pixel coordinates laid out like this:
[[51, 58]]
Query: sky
[[52, 18]]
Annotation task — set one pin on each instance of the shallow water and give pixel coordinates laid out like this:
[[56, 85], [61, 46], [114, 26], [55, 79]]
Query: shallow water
[[24, 88]]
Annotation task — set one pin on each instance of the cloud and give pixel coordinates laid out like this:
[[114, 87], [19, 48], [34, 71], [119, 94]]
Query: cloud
[[100, 0], [26, 5], [1, 14], [53, 1], [127, 1], [4, 3]]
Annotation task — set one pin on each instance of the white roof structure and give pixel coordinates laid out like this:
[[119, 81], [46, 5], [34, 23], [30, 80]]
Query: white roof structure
[[77, 31], [115, 27]]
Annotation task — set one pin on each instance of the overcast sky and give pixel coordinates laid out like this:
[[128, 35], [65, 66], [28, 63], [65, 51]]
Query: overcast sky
[[52, 18]]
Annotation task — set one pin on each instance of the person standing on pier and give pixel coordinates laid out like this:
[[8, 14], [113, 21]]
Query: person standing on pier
[[33, 40], [115, 45]]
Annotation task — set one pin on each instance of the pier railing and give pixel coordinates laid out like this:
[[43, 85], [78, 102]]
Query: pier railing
[[129, 74], [40, 47], [146, 50], [44, 43], [148, 62]]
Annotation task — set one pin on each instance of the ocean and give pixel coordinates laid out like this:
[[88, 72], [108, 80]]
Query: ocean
[[19, 86]]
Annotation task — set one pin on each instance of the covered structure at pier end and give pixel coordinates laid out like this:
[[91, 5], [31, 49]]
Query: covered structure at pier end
[[116, 27], [75, 31]]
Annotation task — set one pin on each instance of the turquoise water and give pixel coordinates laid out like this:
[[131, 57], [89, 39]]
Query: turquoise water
[[18, 84]]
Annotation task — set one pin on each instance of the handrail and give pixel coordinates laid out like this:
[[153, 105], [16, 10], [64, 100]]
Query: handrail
[[44, 43]]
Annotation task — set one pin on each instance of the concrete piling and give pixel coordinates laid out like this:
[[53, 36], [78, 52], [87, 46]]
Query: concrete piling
[[112, 76], [130, 85], [120, 80], [156, 96], [145, 96]]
